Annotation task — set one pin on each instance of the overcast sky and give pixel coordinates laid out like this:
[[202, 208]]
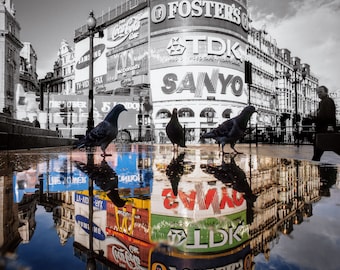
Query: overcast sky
[[308, 28]]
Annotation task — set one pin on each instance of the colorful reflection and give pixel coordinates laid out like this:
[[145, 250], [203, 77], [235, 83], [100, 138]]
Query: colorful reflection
[[145, 207]]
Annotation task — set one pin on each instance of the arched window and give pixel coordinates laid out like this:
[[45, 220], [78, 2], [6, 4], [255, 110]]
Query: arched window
[[209, 113], [163, 113], [186, 112], [226, 113]]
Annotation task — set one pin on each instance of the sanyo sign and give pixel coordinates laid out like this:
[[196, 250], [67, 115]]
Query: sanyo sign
[[198, 82]]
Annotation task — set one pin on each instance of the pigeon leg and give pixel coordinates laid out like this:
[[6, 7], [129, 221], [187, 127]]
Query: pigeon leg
[[173, 147], [223, 153], [233, 147]]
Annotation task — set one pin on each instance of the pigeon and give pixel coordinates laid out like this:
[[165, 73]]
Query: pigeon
[[175, 132], [231, 174], [232, 130], [104, 133], [105, 178], [174, 171]]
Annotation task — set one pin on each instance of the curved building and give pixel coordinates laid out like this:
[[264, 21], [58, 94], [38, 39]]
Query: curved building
[[197, 52]]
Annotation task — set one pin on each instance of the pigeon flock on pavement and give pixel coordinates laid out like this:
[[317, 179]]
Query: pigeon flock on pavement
[[229, 132]]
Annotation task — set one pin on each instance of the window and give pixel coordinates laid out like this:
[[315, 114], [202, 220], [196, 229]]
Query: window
[[186, 112], [226, 113], [205, 112], [163, 113]]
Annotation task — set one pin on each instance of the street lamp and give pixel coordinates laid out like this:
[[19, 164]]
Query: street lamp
[[210, 115], [140, 118], [71, 123], [48, 106], [91, 25], [296, 67]]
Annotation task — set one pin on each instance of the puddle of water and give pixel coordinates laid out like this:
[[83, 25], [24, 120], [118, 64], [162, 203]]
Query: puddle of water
[[145, 207]]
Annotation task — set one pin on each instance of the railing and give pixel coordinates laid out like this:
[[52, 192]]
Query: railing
[[258, 134], [112, 14]]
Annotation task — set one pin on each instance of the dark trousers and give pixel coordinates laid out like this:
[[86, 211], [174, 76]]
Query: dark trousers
[[317, 153]]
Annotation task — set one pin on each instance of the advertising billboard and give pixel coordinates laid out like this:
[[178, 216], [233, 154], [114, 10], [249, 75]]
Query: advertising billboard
[[197, 53], [215, 15], [82, 60], [197, 48], [132, 220], [117, 57], [128, 32], [123, 66], [198, 83], [81, 229], [128, 252], [203, 217], [208, 235]]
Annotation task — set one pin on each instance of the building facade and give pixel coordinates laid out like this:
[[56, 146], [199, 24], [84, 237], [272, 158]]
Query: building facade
[[263, 94], [64, 66], [27, 90], [152, 60], [10, 47]]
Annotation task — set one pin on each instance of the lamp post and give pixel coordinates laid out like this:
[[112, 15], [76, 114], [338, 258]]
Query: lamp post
[[140, 119], [295, 82], [91, 25], [71, 123], [210, 115], [48, 106]]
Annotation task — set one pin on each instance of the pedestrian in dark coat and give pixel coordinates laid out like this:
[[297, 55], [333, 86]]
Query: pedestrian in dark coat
[[325, 120]]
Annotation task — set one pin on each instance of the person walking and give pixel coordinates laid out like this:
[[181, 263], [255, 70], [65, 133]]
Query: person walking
[[36, 122], [325, 120]]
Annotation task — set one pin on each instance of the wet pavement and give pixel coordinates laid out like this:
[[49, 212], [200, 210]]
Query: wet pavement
[[145, 207]]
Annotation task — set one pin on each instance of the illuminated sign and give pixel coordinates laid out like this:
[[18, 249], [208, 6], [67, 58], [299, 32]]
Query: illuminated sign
[[129, 31], [215, 14], [203, 235], [197, 82], [215, 46], [83, 222], [197, 48], [97, 203], [129, 219], [196, 200], [84, 60], [128, 63], [129, 252], [97, 81]]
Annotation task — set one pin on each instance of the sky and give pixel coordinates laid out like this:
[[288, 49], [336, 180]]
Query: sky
[[308, 28]]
